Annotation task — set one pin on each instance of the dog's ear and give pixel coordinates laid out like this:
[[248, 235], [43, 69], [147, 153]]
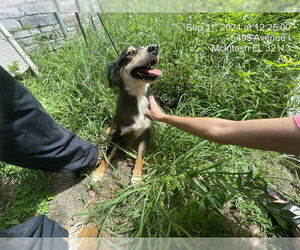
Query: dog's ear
[[114, 78]]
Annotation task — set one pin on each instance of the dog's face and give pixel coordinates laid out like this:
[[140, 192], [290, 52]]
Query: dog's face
[[135, 66]]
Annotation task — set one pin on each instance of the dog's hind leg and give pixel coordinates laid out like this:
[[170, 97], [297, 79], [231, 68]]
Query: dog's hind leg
[[137, 170]]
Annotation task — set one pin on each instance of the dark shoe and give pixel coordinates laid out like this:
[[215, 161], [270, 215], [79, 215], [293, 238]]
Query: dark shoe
[[285, 212]]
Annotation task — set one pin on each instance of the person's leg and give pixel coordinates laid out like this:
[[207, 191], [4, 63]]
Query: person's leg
[[39, 227], [30, 138]]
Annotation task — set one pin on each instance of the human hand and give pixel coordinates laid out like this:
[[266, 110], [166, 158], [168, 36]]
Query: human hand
[[154, 111]]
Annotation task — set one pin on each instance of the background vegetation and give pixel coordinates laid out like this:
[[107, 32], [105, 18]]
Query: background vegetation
[[191, 187]]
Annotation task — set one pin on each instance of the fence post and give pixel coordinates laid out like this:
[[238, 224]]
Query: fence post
[[81, 29], [18, 48], [61, 24]]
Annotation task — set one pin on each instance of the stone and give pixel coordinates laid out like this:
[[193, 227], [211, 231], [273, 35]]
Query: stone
[[27, 41], [6, 3], [31, 13], [11, 13], [47, 29], [68, 17], [38, 20], [21, 34], [11, 24], [68, 6], [39, 7], [34, 31], [31, 47]]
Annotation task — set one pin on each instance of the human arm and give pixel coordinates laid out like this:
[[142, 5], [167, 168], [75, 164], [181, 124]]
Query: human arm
[[280, 134]]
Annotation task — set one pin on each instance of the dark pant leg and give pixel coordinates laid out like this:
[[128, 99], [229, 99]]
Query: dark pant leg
[[40, 227], [30, 138]]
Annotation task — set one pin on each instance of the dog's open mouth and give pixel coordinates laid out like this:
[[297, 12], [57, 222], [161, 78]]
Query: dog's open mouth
[[146, 72]]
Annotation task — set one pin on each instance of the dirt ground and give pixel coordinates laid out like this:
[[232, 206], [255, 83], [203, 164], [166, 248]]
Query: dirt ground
[[72, 193]]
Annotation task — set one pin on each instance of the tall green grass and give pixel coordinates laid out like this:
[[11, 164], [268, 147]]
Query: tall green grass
[[187, 180]]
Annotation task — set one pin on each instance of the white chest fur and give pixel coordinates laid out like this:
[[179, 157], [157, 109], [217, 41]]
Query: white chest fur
[[141, 122]]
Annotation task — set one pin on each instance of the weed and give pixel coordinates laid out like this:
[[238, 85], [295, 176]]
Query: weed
[[187, 180], [30, 198]]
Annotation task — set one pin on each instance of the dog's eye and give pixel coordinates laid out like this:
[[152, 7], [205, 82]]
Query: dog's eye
[[130, 53]]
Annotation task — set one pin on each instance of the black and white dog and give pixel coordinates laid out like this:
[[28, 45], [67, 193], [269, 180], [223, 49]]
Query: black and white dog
[[133, 73]]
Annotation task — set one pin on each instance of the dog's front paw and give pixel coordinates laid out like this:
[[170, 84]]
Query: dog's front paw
[[98, 174], [136, 180], [96, 177]]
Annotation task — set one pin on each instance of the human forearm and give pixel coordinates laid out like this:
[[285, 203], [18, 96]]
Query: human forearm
[[279, 134], [204, 127]]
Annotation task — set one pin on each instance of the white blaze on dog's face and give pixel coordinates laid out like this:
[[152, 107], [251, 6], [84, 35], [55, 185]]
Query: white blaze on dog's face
[[138, 69], [134, 69]]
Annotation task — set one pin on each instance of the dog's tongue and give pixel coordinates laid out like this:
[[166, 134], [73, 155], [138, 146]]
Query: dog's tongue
[[155, 72]]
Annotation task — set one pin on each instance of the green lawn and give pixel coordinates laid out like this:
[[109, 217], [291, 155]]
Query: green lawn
[[189, 182]]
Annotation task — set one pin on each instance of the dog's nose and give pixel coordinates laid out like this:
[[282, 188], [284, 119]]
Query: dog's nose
[[153, 48]]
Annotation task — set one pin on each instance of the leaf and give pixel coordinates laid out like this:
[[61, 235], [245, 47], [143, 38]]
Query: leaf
[[202, 207], [269, 62], [200, 185], [226, 185], [213, 201], [13, 222]]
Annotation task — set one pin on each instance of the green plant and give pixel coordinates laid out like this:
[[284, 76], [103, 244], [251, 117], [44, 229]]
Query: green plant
[[14, 67], [187, 181], [30, 198]]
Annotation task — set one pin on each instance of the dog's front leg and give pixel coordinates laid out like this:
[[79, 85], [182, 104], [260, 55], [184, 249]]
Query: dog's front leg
[[100, 171], [137, 170]]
